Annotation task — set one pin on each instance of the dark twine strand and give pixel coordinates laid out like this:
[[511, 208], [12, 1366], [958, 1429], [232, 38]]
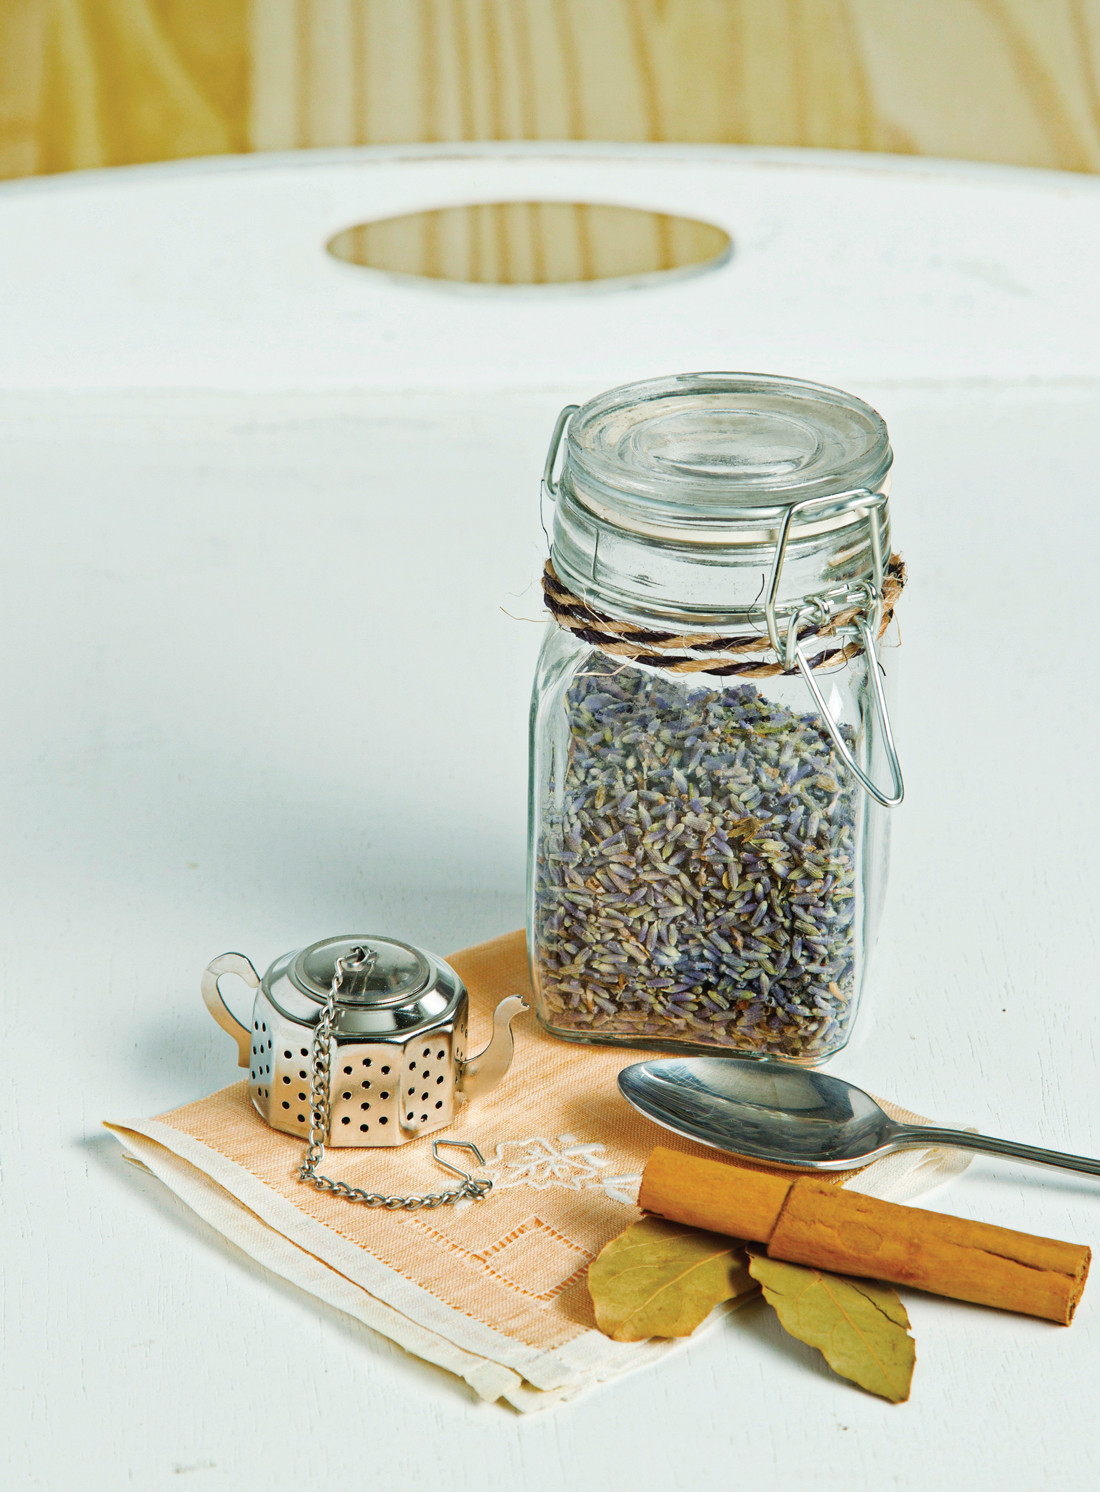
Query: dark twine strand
[[662, 649]]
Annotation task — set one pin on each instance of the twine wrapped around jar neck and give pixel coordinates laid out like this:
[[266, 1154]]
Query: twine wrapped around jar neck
[[673, 651]]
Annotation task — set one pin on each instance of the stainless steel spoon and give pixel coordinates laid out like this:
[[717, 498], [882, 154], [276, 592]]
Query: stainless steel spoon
[[788, 1116]]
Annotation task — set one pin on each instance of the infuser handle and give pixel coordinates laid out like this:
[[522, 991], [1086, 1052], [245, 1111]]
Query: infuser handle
[[230, 963]]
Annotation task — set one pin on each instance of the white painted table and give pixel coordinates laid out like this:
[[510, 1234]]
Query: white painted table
[[268, 520]]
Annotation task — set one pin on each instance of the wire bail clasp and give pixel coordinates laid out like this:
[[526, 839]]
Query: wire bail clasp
[[866, 626], [549, 486]]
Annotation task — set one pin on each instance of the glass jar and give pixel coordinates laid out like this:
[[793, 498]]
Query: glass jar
[[709, 729]]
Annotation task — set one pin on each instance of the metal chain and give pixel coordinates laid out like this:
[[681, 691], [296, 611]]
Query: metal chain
[[320, 1115]]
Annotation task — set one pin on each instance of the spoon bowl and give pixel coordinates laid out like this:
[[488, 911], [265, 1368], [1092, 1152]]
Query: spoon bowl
[[783, 1115]]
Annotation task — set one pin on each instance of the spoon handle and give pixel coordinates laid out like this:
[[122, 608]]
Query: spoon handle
[[960, 1139]]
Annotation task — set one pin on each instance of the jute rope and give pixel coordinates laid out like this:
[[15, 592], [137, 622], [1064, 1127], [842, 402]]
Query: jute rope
[[667, 649]]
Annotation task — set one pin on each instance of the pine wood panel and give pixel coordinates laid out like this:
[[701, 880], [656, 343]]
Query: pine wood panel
[[532, 243], [104, 82], [1005, 80]]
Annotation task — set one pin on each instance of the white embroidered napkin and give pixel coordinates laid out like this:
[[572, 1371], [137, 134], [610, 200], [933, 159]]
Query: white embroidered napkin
[[495, 1290]]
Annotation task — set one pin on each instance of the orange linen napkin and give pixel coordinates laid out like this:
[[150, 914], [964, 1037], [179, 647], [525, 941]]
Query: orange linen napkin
[[494, 1290]]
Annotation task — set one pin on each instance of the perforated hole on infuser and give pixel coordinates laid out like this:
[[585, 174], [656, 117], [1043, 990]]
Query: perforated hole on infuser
[[364, 1105], [423, 1118], [345, 1120], [383, 1095], [439, 1079], [366, 1085], [363, 1128], [347, 1095], [366, 1062], [347, 1069], [288, 1055], [439, 1105], [301, 1118], [440, 1056], [285, 1104], [286, 1080], [385, 1069], [383, 1120], [305, 1052]]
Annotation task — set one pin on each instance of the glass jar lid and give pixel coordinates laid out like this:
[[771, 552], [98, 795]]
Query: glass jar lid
[[674, 494], [705, 452]]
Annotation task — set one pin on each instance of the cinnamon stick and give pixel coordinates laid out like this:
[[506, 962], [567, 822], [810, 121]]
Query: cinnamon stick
[[805, 1220]]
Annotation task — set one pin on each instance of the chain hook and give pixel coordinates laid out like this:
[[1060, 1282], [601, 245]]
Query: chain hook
[[473, 1188]]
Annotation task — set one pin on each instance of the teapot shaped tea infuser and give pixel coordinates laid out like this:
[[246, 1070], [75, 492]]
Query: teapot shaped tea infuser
[[361, 1041]]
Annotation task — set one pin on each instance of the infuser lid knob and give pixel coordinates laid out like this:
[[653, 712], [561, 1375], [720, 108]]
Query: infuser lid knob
[[375, 971]]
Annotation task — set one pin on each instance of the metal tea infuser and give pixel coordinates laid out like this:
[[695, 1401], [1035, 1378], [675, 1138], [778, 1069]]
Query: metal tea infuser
[[361, 1042]]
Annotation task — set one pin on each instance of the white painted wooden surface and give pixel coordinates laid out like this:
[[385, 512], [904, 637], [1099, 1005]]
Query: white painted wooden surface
[[247, 494]]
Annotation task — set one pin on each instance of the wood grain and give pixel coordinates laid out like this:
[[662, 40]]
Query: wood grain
[[104, 82], [107, 82], [112, 82], [531, 243]]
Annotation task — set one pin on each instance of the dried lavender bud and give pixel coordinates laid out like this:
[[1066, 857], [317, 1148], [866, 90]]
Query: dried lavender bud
[[695, 870]]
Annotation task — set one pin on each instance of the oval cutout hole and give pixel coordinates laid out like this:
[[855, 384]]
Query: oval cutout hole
[[533, 243]]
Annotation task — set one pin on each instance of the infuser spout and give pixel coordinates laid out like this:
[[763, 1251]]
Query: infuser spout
[[484, 1072]]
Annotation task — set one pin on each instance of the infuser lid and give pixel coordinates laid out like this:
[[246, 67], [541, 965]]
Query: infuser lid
[[395, 975], [397, 988]]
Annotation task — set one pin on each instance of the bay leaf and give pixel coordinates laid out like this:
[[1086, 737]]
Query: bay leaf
[[661, 1279], [860, 1326]]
